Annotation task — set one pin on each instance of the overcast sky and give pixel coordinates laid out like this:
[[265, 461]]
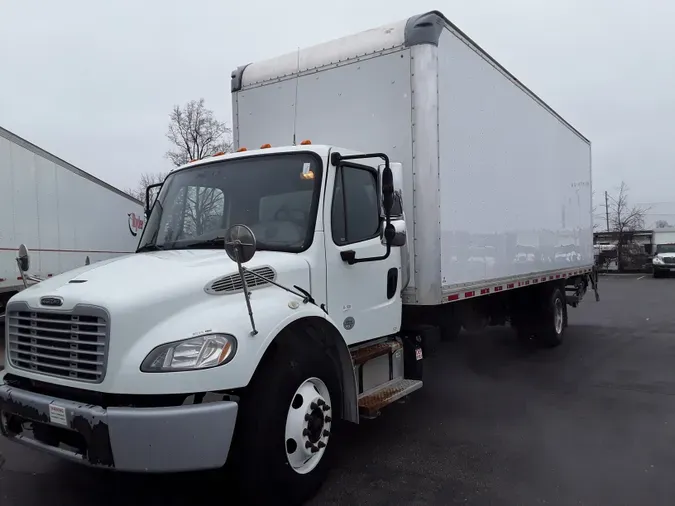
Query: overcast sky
[[94, 82]]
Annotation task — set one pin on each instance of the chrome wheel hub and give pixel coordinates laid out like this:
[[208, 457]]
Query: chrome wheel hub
[[308, 425]]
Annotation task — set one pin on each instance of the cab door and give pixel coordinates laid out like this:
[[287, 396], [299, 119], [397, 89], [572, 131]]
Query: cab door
[[363, 298]]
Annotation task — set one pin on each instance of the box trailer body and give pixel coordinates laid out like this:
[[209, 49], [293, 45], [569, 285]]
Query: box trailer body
[[64, 215], [662, 236], [498, 185]]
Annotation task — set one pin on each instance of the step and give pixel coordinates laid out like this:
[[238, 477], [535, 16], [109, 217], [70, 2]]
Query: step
[[362, 355], [372, 402]]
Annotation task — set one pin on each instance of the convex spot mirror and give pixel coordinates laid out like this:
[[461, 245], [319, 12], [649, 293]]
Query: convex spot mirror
[[23, 258], [240, 243]]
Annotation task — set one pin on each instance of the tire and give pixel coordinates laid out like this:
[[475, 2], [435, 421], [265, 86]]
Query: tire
[[276, 405], [658, 274], [552, 319]]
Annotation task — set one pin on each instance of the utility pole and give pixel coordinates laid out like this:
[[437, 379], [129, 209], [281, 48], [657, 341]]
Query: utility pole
[[607, 210]]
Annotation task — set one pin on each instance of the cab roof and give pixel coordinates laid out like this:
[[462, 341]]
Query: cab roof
[[320, 149]]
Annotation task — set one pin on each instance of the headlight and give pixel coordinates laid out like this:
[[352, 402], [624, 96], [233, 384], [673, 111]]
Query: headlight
[[657, 260], [201, 352]]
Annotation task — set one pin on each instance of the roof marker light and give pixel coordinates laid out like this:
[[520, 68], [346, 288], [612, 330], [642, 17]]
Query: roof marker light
[[306, 142], [241, 150], [265, 146]]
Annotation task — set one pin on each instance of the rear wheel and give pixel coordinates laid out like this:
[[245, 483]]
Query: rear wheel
[[553, 319], [285, 430], [540, 315]]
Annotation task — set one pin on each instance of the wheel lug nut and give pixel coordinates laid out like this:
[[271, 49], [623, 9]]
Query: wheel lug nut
[[307, 417], [326, 433], [326, 407], [305, 432], [313, 406], [321, 444], [328, 419], [308, 445], [321, 402], [314, 449]]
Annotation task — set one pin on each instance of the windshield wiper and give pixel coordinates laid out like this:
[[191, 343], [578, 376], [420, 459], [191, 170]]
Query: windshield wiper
[[216, 242], [149, 247]]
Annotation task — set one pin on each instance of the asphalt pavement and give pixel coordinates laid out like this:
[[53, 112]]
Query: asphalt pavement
[[497, 423]]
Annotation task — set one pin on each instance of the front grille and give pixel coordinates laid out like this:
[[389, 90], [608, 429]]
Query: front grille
[[669, 260], [71, 345]]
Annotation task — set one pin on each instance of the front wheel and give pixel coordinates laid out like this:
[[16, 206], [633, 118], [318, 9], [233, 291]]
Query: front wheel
[[285, 432]]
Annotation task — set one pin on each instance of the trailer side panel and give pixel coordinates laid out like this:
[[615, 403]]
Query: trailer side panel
[[515, 180], [62, 214]]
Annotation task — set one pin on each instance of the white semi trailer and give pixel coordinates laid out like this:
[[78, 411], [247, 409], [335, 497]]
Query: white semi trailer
[[65, 216], [408, 175]]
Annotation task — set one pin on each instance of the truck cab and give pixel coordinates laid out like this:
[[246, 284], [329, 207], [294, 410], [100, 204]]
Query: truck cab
[[154, 361], [663, 262]]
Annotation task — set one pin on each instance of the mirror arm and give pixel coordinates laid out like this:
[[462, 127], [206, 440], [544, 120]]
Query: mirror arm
[[23, 277]]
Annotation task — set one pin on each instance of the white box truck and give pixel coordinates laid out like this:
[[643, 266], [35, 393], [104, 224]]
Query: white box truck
[[414, 187], [663, 249], [65, 216]]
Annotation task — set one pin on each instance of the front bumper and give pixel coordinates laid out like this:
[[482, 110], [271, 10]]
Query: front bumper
[[165, 439], [664, 267]]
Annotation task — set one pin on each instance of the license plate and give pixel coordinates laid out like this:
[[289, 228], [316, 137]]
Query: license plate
[[57, 415], [418, 354]]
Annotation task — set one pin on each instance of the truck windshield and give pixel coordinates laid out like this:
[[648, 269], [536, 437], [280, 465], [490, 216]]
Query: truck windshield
[[275, 195], [665, 248]]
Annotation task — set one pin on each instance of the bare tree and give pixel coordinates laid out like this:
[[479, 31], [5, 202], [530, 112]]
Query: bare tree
[[146, 180], [195, 133], [624, 219], [662, 224]]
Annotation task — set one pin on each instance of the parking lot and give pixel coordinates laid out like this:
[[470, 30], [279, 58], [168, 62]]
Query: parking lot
[[589, 423]]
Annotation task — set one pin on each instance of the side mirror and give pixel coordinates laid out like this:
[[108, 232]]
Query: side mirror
[[400, 234], [148, 205], [396, 169], [387, 178], [23, 258]]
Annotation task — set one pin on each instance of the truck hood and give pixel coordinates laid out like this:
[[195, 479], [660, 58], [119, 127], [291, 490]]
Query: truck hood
[[158, 297], [148, 279]]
